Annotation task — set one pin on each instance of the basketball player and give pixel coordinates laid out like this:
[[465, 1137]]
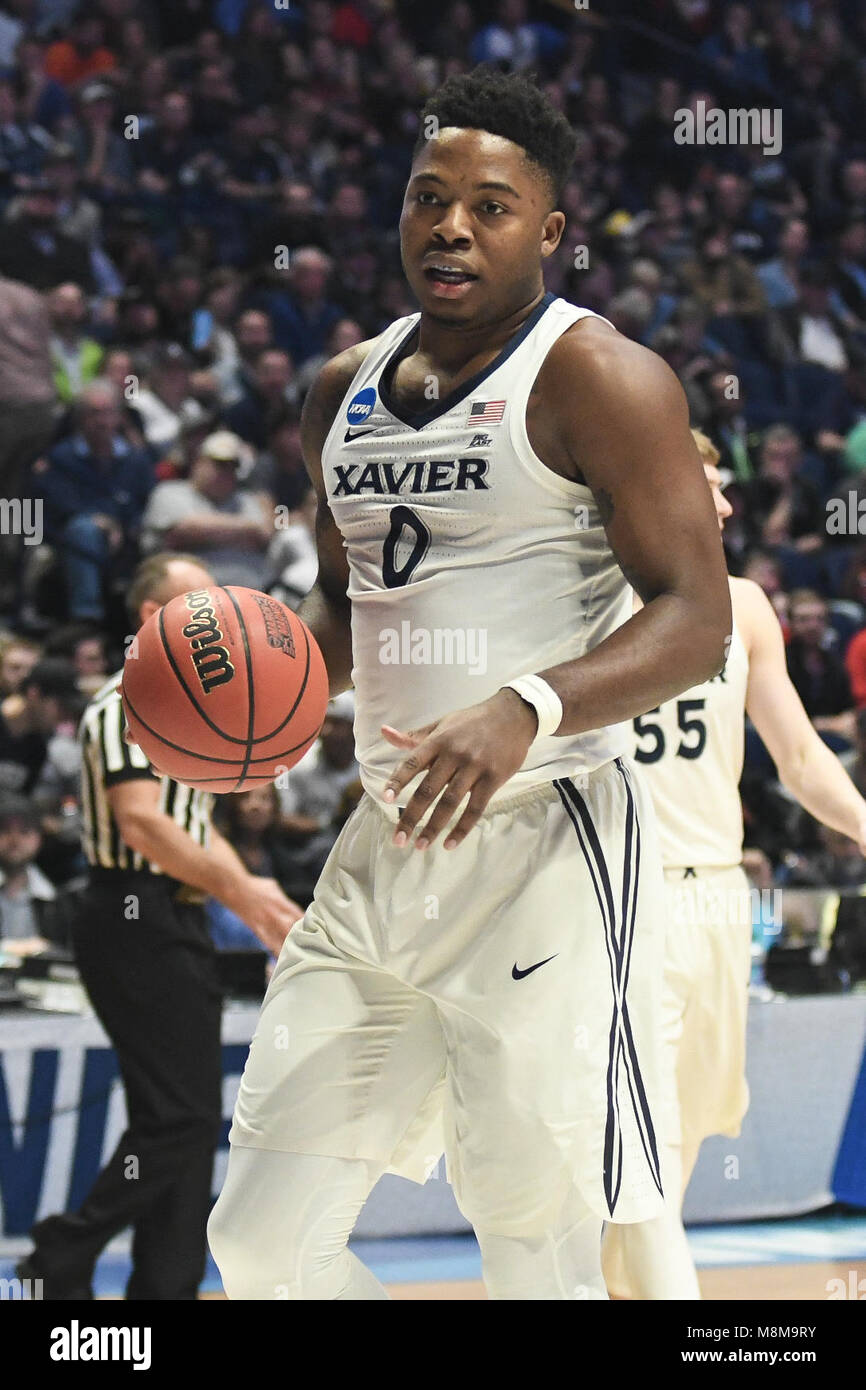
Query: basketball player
[[147, 962], [691, 751], [482, 951]]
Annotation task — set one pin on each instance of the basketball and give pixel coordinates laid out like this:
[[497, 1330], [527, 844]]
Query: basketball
[[224, 688]]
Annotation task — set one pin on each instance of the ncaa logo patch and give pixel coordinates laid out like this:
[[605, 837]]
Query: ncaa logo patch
[[361, 405]]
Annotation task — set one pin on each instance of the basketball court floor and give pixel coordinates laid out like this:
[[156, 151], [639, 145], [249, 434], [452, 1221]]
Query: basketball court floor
[[812, 1258]]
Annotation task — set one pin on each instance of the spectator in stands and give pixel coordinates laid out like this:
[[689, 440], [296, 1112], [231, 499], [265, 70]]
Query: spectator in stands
[[77, 357], [295, 218], [313, 796], [346, 333], [265, 399], [293, 555], [212, 516], [23, 146], [303, 317], [837, 863], [721, 280], [79, 216], [211, 328], [855, 665], [817, 669], [733, 205], [33, 915], [119, 369], [253, 333], [44, 100], [29, 718], [784, 506], [631, 312], [165, 402], [815, 331], [763, 568], [849, 296], [280, 471], [734, 51], [27, 392], [94, 487], [35, 249], [312, 791], [726, 422], [780, 277], [104, 156], [84, 645], [513, 38], [82, 54], [18, 656], [178, 297]]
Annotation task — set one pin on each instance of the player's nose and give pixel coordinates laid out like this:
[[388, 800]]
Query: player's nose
[[454, 224]]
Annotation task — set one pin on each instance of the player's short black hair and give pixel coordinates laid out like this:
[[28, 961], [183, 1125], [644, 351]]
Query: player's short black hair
[[510, 105]]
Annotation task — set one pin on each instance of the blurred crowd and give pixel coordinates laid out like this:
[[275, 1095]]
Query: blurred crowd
[[199, 204]]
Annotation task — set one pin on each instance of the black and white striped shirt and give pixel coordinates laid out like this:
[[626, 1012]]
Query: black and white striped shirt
[[107, 760]]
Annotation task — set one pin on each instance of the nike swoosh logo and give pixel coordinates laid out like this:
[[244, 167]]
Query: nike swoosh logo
[[349, 436], [521, 974]]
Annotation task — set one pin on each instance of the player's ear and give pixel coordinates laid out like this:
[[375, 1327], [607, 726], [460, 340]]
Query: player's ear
[[551, 232]]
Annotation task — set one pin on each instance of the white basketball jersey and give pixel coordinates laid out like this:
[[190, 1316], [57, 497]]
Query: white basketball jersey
[[471, 562], [691, 753]]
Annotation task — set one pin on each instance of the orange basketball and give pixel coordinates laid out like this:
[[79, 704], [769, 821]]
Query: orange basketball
[[224, 688]]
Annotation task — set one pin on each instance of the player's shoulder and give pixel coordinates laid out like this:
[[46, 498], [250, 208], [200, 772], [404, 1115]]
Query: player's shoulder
[[753, 612], [594, 358], [328, 388], [745, 593]]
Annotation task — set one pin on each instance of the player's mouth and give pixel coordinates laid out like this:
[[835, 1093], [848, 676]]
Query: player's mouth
[[448, 282]]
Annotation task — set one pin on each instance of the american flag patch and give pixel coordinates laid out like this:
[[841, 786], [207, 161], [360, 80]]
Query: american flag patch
[[486, 412]]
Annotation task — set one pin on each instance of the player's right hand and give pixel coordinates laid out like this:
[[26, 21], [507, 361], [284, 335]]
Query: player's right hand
[[263, 905]]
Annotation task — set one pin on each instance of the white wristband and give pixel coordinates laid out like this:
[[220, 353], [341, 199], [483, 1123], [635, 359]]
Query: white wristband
[[544, 701]]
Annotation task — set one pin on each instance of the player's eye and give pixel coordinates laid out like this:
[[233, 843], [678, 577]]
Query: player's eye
[[494, 208], [425, 193]]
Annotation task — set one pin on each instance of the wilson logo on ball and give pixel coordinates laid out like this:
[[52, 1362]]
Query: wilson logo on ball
[[211, 660]]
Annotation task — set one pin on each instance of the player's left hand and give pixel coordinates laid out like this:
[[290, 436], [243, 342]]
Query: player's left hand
[[472, 751]]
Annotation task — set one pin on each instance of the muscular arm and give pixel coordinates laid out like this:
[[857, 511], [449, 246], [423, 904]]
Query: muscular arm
[[218, 530], [326, 610], [624, 419], [147, 829], [217, 870], [803, 761]]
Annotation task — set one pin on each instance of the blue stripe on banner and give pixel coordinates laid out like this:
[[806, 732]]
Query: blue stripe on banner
[[849, 1175], [22, 1165], [619, 944]]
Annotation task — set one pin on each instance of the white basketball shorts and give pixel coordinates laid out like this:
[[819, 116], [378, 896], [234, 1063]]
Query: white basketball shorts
[[500, 1000], [707, 964]]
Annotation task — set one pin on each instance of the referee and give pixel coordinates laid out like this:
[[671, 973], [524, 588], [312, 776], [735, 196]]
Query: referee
[[149, 968]]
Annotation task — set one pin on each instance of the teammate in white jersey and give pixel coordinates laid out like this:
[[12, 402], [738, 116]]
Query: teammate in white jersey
[[489, 471], [691, 750]]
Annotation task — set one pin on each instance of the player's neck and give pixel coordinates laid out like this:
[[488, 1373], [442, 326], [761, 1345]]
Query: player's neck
[[451, 346]]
